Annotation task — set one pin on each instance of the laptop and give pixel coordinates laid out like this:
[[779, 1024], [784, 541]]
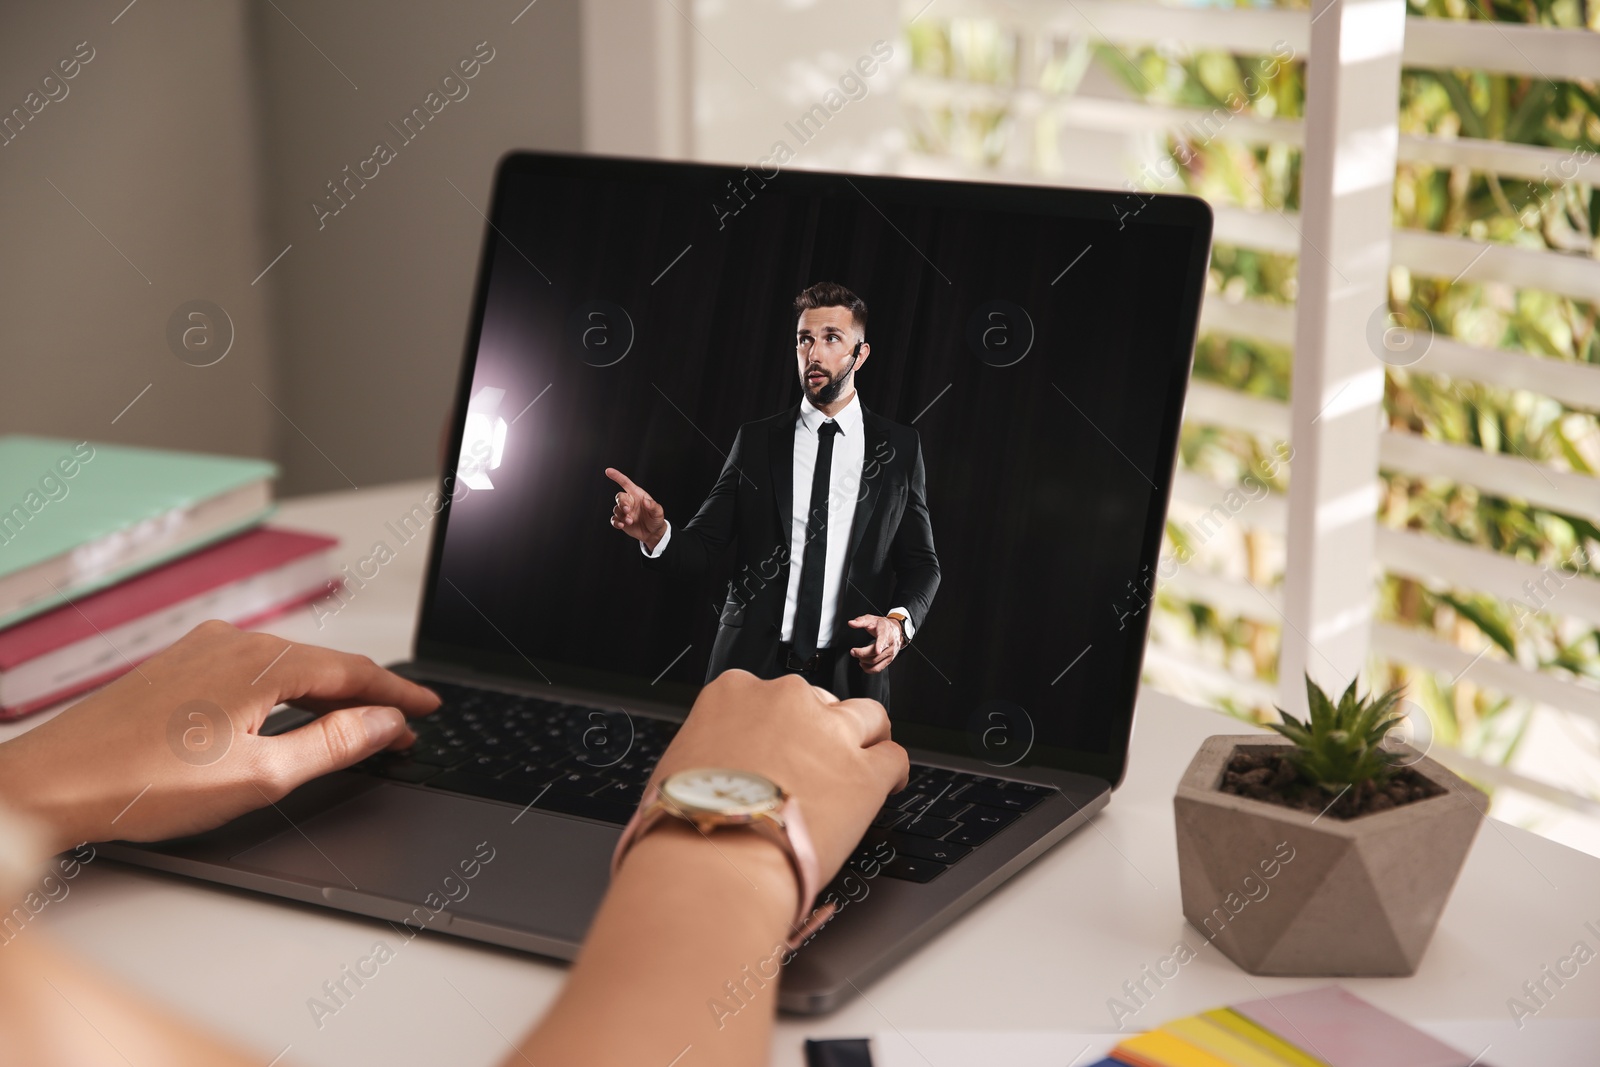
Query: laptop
[[1018, 420]]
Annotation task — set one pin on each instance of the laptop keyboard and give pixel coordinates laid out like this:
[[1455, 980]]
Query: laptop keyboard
[[939, 818], [522, 750], [579, 760]]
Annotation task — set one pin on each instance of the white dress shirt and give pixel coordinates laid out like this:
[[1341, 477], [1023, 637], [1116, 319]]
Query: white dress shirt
[[844, 485]]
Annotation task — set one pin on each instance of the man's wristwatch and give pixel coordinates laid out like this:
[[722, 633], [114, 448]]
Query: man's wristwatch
[[711, 798], [900, 618]]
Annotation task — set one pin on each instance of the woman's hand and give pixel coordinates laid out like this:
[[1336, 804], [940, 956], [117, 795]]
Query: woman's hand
[[172, 748], [833, 755], [689, 915]]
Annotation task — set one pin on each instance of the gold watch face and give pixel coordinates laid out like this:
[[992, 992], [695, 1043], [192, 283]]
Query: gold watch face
[[718, 791]]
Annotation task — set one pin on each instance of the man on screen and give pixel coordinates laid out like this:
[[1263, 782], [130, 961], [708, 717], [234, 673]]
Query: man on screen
[[828, 507]]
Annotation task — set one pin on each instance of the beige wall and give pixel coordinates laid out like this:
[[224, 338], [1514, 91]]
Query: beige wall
[[152, 143], [372, 306], [195, 142], [637, 78]]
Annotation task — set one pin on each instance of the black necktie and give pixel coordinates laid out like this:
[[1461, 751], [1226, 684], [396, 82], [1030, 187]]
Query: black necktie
[[808, 609]]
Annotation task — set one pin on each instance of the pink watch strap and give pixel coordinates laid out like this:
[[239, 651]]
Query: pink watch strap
[[797, 846]]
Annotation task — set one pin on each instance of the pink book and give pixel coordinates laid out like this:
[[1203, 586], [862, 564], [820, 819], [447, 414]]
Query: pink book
[[73, 648], [1343, 1030]]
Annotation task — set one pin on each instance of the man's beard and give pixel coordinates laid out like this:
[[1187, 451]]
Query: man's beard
[[835, 388]]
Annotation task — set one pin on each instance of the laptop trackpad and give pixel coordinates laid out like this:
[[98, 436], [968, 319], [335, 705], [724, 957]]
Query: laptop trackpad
[[425, 850]]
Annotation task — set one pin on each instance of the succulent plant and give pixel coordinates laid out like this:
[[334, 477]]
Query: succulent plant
[[1341, 746]]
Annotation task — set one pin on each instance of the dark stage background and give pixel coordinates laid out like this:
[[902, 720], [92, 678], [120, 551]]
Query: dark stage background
[[1039, 514]]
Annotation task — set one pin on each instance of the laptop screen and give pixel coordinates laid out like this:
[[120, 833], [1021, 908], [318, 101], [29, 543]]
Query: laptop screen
[[1001, 374]]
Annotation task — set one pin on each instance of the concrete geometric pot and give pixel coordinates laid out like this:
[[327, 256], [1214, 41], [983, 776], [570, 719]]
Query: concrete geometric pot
[[1287, 892]]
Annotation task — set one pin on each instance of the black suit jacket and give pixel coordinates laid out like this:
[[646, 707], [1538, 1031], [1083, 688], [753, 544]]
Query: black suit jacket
[[891, 560]]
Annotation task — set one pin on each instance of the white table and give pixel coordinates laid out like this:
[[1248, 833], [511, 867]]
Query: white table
[[1044, 953]]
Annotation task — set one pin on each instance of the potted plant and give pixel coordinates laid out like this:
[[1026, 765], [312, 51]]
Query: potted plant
[[1322, 851]]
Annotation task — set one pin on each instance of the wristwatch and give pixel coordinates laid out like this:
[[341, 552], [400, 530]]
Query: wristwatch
[[900, 617], [710, 798]]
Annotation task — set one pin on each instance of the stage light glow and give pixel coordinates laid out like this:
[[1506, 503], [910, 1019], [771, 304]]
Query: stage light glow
[[483, 442]]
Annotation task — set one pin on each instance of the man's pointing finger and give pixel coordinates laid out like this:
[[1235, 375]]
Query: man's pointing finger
[[624, 481]]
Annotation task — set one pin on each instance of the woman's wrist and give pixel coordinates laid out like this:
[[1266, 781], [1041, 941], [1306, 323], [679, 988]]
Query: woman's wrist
[[674, 852], [20, 795], [689, 919]]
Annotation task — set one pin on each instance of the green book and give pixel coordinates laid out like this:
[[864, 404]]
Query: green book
[[78, 516]]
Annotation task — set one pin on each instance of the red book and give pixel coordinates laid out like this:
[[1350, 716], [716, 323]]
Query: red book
[[96, 638]]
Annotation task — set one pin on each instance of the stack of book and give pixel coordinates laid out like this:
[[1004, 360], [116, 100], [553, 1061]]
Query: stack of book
[[1325, 1027], [109, 553]]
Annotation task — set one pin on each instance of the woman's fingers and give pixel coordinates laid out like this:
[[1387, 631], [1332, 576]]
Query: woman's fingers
[[340, 678], [891, 765], [332, 742], [870, 716]]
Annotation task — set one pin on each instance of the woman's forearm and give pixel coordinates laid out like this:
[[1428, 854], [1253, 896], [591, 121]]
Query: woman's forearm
[[56, 1012], [684, 954]]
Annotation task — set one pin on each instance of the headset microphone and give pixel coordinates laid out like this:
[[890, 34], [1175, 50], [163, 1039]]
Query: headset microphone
[[854, 354]]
